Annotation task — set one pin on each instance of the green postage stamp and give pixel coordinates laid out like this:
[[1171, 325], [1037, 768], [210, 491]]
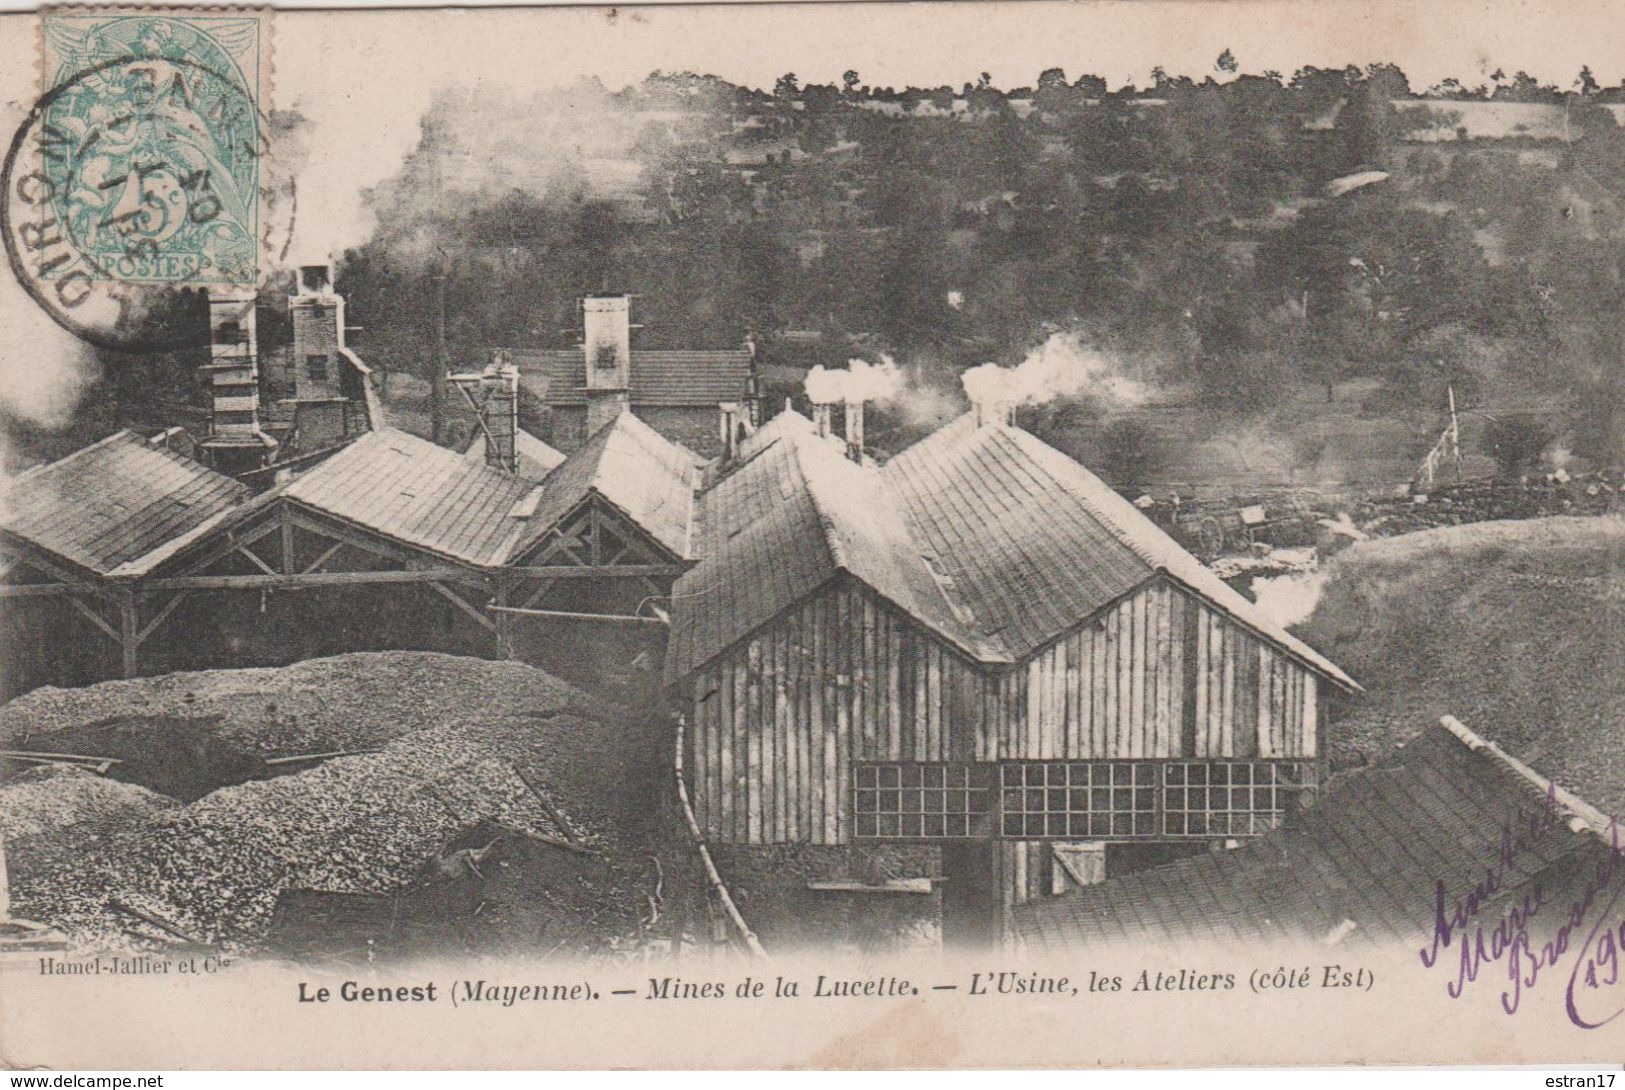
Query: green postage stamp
[[151, 144]]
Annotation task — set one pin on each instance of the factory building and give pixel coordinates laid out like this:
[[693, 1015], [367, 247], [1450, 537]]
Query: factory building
[[674, 392], [975, 663]]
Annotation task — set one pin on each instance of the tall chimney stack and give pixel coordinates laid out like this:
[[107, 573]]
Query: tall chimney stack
[[235, 443], [854, 430], [493, 394], [995, 412], [730, 422], [499, 384], [318, 334], [606, 326]]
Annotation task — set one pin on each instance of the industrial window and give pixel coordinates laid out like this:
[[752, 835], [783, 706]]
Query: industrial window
[[1092, 800], [1230, 798], [1084, 800], [918, 801], [316, 367]]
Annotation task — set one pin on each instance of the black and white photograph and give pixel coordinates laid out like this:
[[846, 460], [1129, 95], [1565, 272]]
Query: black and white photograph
[[903, 529]]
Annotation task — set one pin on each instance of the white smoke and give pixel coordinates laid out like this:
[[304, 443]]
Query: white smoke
[[44, 370], [1289, 599], [859, 381], [1061, 367]]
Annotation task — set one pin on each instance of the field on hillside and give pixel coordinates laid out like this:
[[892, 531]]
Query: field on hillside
[[1512, 627]]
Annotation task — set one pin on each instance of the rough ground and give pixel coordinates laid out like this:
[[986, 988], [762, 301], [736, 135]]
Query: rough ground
[[1513, 627], [185, 734], [54, 808], [471, 754]]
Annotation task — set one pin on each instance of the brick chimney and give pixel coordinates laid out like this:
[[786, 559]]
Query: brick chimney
[[606, 326], [732, 425], [499, 411], [995, 412], [318, 334], [854, 430], [821, 415], [493, 394], [236, 442]]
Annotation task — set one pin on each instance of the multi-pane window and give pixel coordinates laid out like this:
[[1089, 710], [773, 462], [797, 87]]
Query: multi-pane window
[[316, 366], [1079, 799], [1229, 798], [919, 801]]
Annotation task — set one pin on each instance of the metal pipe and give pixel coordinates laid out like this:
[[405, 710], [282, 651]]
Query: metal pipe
[[613, 618]]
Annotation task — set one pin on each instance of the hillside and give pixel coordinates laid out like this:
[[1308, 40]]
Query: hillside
[[1513, 627]]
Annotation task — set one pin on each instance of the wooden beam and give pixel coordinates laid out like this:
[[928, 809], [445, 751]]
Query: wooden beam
[[129, 640], [235, 539], [479, 617], [542, 588], [94, 617], [303, 580], [503, 627], [258, 563], [612, 571], [316, 565], [342, 532], [160, 617], [40, 590], [285, 525], [609, 618]]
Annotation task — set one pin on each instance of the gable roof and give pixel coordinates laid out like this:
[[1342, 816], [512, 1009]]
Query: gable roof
[[790, 516], [659, 377], [996, 541], [1029, 559], [649, 478], [1035, 542], [1371, 853], [536, 459], [113, 507], [418, 493]]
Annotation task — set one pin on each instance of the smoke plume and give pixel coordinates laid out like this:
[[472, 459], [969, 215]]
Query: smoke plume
[[1061, 367], [859, 381]]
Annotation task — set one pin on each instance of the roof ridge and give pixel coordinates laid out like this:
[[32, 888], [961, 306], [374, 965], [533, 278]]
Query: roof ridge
[[1577, 810], [826, 521], [975, 641], [1046, 454], [1172, 561]]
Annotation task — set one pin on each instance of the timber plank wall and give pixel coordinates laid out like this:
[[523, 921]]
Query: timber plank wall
[[780, 718]]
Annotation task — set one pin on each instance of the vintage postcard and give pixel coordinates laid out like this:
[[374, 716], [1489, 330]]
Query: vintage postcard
[[932, 535]]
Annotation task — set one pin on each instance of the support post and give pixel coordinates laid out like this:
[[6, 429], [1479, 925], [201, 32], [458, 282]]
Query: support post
[[504, 622], [129, 634], [287, 544]]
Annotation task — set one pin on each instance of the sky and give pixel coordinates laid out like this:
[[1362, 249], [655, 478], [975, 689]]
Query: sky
[[363, 78]]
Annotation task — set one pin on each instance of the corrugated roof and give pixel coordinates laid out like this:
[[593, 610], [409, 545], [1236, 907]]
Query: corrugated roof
[[110, 506], [1035, 542], [659, 378], [1029, 559], [1372, 852], [649, 478], [783, 522], [536, 459], [418, 493], [995, 540]]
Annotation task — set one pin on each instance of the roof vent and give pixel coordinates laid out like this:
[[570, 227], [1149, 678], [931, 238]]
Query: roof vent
[[525, 507]]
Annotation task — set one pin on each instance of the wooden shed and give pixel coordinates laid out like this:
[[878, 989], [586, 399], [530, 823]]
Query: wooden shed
[[126, 558], [978, 646]]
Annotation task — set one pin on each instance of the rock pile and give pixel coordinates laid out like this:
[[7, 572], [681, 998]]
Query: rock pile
[[463, 743]]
